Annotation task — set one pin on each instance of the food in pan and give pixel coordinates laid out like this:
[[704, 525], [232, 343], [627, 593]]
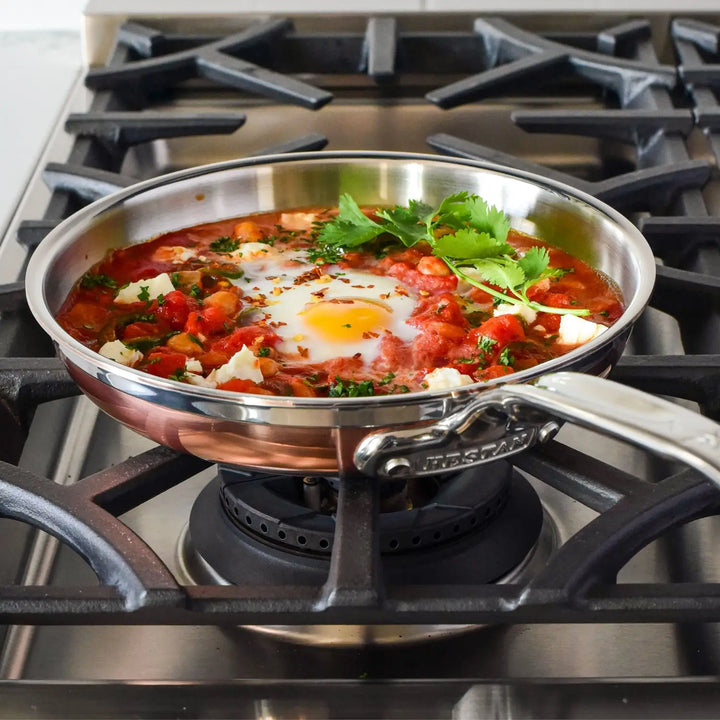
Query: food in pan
[[341, 302]]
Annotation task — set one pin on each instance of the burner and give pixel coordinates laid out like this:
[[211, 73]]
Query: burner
[[416, 514], [480, 526], [476, 526]]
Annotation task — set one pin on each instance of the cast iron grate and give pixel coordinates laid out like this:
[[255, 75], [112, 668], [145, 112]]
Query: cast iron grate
[[662, 194]]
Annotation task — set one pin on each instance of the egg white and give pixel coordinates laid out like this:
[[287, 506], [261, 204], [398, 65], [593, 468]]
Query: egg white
[[287, 285]]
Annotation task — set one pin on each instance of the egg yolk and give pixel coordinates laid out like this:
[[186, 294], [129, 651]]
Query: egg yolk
[[346, 320]]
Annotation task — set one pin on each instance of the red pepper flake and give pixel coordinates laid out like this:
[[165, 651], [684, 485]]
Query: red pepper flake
[[313, 274], [384, 296], [302, 351], [358, 286], [345, 280], [276, 323], [369, 335], [319, 293], [357, 355], [401, 291]]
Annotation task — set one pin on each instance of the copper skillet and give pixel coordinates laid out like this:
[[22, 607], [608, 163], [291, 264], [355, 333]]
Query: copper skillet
[[412, 434]]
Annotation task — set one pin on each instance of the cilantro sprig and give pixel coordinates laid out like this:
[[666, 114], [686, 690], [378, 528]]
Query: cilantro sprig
[[464, 231]]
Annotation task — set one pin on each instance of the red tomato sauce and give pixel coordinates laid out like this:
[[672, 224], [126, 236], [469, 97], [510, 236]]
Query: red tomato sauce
[[222, 296]]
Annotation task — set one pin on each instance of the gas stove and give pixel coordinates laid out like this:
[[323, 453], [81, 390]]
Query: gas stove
[[579, 579]]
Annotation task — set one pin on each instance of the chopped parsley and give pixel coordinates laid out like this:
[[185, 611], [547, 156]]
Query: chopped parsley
[[486, 344], [506, 358], [263, 352], [351, 388], [195, 339], [144, 294], [175, 279], [91, 280], [463, 231], [160, 300], [196, 292], [323, 253], [224, 244], [386, 380], [178, 374]]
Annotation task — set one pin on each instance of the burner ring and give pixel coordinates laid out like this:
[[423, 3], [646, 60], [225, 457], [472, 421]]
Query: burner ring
[[269, 508]]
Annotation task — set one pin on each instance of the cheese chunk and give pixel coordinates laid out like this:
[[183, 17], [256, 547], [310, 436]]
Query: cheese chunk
[[575, 331], [445, 378], [120, 353], [199, 380], [243, 365], [297, 220], [193, 366], [159, 285], [525, 312]]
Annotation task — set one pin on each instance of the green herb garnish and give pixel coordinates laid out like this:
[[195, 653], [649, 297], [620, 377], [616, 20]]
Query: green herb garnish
[[466, 233], [263, 352], [144, 294], [323, 253], [386, 380], [90, 280], [351, 388], [506, 358], [178, 374], [224, 244], [196, 292], [486, 344]]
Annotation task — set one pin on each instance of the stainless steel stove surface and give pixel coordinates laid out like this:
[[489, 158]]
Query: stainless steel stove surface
[[615, 611]]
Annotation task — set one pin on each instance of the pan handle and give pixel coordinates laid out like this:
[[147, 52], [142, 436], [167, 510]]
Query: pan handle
[[510, 418]]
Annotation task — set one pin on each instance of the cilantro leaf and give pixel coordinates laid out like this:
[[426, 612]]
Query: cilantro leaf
[[350, 228], [487, 218], [501, 271], [453, 210], [534, 263], [409, 224], [467, 243]]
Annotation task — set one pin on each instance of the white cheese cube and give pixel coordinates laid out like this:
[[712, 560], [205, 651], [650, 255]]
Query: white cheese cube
[[575, 330], [297, 220], [445, 377], [159, 285], [525, 312], [120, 353], [243, 365], [193, 366]]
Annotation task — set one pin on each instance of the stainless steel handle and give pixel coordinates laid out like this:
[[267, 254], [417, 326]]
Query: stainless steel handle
[[512, 417]]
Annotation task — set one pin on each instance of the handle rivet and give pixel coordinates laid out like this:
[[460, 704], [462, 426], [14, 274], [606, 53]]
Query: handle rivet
[[396, 467], [548, 431]]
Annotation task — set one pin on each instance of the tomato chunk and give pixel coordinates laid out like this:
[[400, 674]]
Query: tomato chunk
[[175, 309], [140, 329], [165, 364], [503, 329], [414, 278], [246, 386], [209, 321], [250, 335]]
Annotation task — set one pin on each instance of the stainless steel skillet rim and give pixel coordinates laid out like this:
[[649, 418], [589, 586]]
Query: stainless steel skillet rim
[[63, 236]]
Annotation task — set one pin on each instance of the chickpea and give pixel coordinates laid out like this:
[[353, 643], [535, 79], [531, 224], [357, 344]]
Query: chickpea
[[300, 389], [247, 231], [183, 343], [431, 265], [224, 300], [268, 367]]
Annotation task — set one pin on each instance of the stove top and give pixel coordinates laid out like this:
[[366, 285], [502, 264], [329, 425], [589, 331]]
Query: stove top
[[624, 573]]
